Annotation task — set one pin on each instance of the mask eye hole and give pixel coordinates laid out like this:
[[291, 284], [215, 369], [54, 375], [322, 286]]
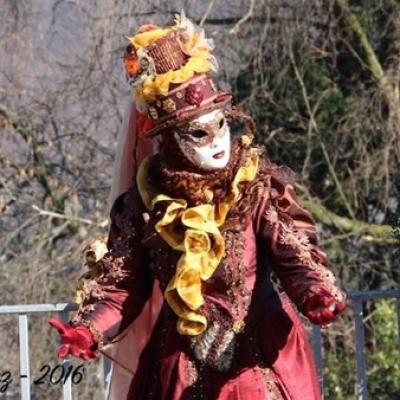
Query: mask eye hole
[[199, 133], [221, 123]]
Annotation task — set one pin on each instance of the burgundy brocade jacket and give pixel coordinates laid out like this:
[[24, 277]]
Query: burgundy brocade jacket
[[269, 238]]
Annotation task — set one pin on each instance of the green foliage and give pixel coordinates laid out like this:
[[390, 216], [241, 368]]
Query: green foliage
[[339, 372], [383, 373], [320, 110], [378, 19]]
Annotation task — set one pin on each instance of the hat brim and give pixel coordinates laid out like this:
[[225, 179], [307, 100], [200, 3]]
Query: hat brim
[[220, 101]]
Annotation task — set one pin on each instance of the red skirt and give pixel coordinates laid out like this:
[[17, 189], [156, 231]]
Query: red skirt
[[273, 360]]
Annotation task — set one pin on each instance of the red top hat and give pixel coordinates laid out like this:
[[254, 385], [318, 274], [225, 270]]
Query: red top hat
[[170, 71]]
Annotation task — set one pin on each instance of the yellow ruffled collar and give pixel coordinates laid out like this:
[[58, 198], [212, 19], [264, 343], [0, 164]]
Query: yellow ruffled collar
[[201, 243]]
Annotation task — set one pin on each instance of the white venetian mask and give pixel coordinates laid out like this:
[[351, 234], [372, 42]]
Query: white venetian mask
[[206, 140]]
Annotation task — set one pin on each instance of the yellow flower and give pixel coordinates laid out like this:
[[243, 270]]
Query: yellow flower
[[144, 39], [158, 85]]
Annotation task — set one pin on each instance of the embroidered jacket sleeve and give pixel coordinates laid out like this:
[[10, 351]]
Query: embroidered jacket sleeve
[[122, 282], [290, 235]]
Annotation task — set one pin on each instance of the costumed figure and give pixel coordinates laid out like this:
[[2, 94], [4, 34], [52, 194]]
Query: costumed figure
[[213, 233]]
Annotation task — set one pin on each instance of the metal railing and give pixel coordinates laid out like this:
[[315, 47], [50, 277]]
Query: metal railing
[[23, 311], [356, 302]]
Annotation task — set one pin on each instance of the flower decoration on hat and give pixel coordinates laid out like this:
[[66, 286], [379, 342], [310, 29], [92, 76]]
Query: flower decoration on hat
[[193, 95]]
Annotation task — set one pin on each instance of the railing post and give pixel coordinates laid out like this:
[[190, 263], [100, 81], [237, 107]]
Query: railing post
[[398, 322], [107, 371], [362, 393], [317, 349], [24, 370]]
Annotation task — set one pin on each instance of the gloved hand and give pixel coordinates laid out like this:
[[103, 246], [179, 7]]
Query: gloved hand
[[322, 308], [77, 341]]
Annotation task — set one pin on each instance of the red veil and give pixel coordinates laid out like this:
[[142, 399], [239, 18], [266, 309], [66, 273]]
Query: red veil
[[125, 351]]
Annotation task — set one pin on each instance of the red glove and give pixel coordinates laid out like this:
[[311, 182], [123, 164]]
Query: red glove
[[322, 308], [77, 341]]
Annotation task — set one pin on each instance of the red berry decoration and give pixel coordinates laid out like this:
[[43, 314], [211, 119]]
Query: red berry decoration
[[193, 95]]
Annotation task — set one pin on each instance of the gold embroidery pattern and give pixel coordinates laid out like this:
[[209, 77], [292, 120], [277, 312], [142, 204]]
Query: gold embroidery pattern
[[169, 105], [106, 267], [271, 383], [235, 275], [305, 252], [192, 373]]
